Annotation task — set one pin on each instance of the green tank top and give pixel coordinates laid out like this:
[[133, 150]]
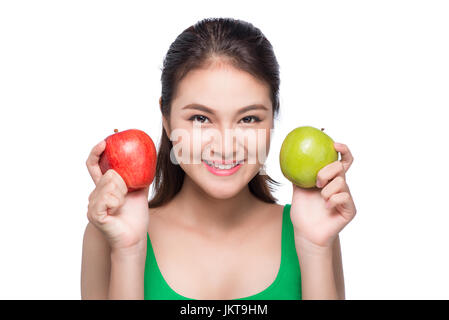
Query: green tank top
[[286, 286]]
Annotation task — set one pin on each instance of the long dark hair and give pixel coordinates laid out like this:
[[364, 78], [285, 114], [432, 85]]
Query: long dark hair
[[247, 49]]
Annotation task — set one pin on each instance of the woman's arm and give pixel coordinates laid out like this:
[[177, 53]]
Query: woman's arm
[[321, 270], [317, 273], [107, 274], [127, 273], [338, 269], [95, 265]]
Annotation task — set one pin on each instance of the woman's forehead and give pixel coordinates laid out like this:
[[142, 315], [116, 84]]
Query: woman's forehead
[[221, 87]]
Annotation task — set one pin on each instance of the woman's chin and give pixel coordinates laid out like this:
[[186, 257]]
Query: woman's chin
[[222, 187], [222, 193]]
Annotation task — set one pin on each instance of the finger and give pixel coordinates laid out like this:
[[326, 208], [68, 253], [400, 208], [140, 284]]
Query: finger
[[98, 213], [118, 180], [112, 189], [107, 178], [97, 217], [336, 185], [101, 208], [343, 202], [91, 195], [114, 202], [93, 159], [329, 172], [107, 206], [346, 155], [112, 176]]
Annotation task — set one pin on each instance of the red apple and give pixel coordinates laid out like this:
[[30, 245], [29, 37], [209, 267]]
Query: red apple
[[131, 153]]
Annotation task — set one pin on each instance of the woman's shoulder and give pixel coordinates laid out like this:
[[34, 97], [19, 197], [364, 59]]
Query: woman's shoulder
[[269, 213], [162, 215], [275, 207]]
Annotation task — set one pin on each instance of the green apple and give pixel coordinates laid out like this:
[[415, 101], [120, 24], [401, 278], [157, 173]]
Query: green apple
[[304, 152]]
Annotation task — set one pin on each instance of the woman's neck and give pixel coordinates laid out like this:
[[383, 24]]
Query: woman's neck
[[196, 209]]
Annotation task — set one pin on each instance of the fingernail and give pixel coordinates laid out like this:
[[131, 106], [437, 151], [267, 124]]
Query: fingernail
[[318, 184]]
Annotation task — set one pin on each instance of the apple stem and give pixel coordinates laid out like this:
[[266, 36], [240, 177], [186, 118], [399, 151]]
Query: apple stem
[[322, 129], [115, 130]]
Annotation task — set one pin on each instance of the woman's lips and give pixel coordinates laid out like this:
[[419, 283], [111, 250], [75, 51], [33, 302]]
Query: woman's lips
[[222, 172]]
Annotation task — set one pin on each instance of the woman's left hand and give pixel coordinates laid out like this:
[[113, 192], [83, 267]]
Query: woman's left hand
[[318, 215]]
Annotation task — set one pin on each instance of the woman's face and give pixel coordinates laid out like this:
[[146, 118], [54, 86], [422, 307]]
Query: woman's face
[[209, 125]]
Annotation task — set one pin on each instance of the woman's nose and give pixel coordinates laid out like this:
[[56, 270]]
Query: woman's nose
[[225, 144]]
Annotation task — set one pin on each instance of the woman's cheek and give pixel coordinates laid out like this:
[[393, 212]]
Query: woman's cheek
[[264, 145], [257, 145], [208, 143], [181, 150]]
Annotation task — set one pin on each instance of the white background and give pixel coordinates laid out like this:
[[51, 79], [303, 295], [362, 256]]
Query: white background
[[374, 74]]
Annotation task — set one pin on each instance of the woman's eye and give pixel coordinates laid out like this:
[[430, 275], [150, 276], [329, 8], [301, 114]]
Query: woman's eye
[[249, 119], [203, 119], [200, 118]]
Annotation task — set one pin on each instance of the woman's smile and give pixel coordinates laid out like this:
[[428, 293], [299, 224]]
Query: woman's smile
[[220, 168]]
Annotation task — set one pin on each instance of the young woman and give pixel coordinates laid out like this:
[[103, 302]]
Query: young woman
[[213, 230]]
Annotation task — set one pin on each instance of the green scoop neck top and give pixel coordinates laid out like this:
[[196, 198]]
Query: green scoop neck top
[[286, 285]]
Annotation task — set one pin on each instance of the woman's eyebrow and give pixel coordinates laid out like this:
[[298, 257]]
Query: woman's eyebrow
[[197, 106]]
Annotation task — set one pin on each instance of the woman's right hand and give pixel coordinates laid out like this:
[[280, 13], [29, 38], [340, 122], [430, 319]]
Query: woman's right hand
[[121, 216]]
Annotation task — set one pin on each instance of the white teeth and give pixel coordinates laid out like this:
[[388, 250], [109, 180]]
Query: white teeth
[[222, 166]]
